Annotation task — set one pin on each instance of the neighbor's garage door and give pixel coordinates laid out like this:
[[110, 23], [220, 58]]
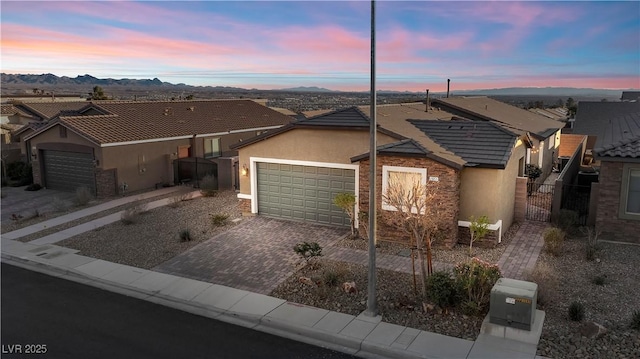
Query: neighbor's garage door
[[303, 192], [66, 171]]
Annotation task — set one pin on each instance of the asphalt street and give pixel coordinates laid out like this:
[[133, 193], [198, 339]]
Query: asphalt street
[[48, 317]]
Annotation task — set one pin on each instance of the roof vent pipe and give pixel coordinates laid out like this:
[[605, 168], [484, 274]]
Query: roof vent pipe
[[427, 109], [448, 82]]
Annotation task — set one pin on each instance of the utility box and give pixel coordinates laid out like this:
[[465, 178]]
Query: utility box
[[513, 303]]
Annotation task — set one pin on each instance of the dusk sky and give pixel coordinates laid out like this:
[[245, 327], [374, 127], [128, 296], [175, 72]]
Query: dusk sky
[[279, 44]]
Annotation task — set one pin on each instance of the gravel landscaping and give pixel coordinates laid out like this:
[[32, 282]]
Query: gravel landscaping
[[570, 277], [154, 237]]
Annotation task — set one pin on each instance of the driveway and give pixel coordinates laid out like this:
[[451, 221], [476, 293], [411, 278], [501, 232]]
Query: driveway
[[256, 255], [25, 203]]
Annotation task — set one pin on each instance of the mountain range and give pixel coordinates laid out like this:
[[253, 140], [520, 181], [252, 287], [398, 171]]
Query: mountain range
[[25, 81]]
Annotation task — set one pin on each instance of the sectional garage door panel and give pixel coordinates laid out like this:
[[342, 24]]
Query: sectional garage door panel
[[66, 171], [303, 192]]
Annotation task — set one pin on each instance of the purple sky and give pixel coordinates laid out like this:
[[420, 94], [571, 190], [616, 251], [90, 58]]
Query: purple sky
[[278, 44]]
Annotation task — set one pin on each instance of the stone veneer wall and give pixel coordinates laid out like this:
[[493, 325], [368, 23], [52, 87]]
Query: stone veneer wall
[[448, 195], [106, 185], [607, 219]]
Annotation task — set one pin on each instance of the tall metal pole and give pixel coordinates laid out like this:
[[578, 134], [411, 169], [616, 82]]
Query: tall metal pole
[[372, 305]]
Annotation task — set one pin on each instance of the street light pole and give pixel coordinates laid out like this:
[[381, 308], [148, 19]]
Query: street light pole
[[372, 306]]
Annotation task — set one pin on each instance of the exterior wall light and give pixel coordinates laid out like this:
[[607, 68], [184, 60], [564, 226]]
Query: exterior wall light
[[244, 171]]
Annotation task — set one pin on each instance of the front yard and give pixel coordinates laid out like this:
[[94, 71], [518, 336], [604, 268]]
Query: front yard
[[154, 237]]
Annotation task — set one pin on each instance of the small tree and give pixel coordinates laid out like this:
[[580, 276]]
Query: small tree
[[97, 93], [478, 228], [347, 202], [416, 213]]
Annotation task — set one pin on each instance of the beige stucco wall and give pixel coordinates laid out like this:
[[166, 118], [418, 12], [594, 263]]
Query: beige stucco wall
[[52, 135], [332, 146], [491, 192], [138, 175]]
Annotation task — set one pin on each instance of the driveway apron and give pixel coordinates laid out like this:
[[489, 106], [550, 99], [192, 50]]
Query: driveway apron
[[256, 255]]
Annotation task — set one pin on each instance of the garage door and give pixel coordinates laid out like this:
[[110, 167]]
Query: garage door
[[303, 192], [66, 171]]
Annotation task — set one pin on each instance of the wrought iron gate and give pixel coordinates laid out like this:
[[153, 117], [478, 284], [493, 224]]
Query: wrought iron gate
[[539, 201]]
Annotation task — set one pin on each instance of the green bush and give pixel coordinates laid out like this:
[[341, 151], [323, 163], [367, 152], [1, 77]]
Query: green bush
[[15, 169], [600, 279], [567, 220], [441, 289], [532, 171], [307, 250], [576, 311], [82, 196], [635, 320], [209, 186], [553, 240], [475, 279], [220, 219], [331, 278], [185, 235]]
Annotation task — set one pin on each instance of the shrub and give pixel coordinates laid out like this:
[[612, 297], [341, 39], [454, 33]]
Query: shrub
[[553, 240], [185, 235], [58, 204], [591, 245], [546, 279], [331, 278], [131, 214], [532, 171], [567, 219], [441, 289], [600, 279], [82, 196], [219, 219], [475, 279], [33, 187], [209, 186], [478, 228], [635, 320], [576, 311], [15, 169], [307, 250]]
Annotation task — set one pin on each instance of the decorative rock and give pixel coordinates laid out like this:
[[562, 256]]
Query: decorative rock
[[350, 287], [592, 330], [307, 281], [428, 307]]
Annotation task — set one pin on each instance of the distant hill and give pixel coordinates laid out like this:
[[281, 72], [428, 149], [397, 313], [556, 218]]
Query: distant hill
[[307, 89], [29, 81]]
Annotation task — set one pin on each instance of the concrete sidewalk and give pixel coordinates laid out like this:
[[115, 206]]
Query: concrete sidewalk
[[360, 335], [22, 232]]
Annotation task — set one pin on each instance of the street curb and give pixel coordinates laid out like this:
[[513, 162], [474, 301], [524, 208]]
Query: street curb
[[264, 324]]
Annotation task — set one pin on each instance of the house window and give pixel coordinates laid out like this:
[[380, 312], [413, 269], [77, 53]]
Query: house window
[[630, 196], [212, 147], [521, 167], [406, 177], [63, 132]]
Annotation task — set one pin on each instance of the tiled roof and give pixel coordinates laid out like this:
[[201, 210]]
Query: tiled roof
[[348, 117], [136, 121], [8, 110], [593, 117], [621, 138], [630, 96], [507, 116], [479, 143], [48, 110]]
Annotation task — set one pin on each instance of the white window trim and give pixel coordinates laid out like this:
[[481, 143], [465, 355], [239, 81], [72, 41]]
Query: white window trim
[[385, 181]]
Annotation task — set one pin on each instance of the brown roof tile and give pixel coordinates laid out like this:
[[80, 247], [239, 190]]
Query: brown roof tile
[[136, 121]]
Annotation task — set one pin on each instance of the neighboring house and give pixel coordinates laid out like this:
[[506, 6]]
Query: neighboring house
[[544, 132], [630, 96], [618, 190], [110, 145], [593, 117], [296, 171]]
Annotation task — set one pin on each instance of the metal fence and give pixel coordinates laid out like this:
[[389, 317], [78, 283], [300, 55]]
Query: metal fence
[[191, 170], [539, 201], [576, 198]]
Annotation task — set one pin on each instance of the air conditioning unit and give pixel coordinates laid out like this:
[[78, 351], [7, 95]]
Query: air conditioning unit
[[513, 303]]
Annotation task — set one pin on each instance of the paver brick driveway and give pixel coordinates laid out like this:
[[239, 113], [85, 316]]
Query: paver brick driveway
[[256, 255]]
